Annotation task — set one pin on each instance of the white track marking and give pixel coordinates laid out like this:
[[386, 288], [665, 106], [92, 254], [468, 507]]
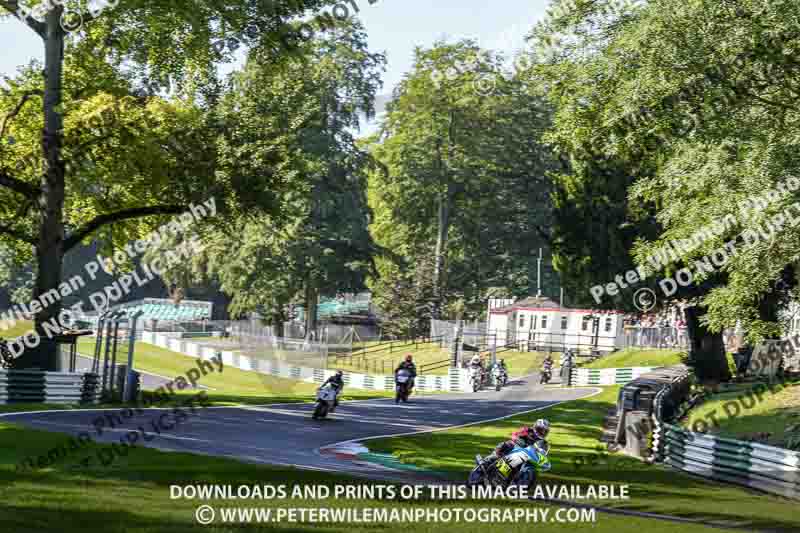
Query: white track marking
[[350, 441]]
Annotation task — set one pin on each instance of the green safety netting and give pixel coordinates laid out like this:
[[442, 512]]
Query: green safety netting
[[169, 311], [336, 308]]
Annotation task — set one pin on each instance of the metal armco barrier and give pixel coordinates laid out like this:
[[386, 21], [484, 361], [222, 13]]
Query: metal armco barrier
[[671, 384], [35, 386], [757, 466]]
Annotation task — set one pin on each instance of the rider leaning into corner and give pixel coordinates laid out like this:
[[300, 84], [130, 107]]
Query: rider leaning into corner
[[523, 437], [408, 364], [337, 382]]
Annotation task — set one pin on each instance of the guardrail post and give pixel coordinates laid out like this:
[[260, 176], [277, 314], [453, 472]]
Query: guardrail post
[[129, 384]]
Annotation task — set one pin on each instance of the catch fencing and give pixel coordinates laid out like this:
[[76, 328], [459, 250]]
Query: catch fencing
[[670, 337]]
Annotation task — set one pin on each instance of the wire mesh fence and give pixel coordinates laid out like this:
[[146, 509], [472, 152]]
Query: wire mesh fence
[[671, 337]]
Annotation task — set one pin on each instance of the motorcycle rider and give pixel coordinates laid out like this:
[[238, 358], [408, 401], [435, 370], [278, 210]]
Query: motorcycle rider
[[547, 365], [502, 365], [477, 362], [408, 365], [523, 437], [337, 382]]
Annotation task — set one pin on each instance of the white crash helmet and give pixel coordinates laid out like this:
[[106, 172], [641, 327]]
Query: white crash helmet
[[541, 428], [476, 359]]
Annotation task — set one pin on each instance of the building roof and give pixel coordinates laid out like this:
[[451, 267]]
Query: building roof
[[542, 303], [538, 302]]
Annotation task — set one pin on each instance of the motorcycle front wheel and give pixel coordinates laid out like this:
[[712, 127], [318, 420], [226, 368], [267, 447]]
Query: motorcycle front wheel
[[476, 477], [320, 411]]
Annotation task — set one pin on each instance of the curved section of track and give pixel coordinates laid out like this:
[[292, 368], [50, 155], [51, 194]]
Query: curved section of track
[[285, 434]]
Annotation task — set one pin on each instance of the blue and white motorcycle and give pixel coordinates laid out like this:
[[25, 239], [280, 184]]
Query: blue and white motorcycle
[[521, 466]]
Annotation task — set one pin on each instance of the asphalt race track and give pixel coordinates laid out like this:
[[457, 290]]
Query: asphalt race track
[[285, 434]]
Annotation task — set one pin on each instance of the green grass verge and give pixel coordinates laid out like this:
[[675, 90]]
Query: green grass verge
[[579, 458], [740, 414], [630, 357], [383, 362], [232, 386], [18, 329], [133, 496]]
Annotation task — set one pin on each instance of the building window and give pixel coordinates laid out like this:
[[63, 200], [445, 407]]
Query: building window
[[608, 324], [521, 321], [585, 324], [544, 322], [564, 322], [533, 322]]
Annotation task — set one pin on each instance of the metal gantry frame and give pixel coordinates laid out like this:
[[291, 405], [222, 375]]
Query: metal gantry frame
[[107, 347]]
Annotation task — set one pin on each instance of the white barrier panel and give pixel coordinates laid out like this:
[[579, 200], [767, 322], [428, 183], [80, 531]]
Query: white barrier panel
[[457, 379], [608, 376], [162, 341], [227, 358], [245, 363], [192, 349]]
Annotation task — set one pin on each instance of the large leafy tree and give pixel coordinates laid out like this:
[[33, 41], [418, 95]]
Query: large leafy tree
[[698, 101], [298, 115], [151, 42], [463, 183]]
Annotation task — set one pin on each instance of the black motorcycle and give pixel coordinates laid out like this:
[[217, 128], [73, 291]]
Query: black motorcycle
[[402, 382], [545, 376]]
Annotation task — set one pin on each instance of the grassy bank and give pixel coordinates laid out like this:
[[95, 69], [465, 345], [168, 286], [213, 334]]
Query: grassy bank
[[232, 385], [579, 458], [18, 329], [745, 411], [383, 362], [630, 357], [133, 496]]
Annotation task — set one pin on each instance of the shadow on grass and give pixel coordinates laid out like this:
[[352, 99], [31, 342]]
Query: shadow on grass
[[575, 434]]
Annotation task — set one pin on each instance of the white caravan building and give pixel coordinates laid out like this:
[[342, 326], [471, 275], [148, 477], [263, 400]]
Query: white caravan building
[[538, 323]]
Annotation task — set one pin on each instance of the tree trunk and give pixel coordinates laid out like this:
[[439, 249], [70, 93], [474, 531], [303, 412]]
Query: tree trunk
[[706, 349], [277, 324], [50, 247], [443, 230], [312, 297]]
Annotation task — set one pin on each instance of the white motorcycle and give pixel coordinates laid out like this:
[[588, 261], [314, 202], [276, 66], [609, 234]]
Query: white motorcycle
[[499, 376], [326, 398], [476, 378]]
